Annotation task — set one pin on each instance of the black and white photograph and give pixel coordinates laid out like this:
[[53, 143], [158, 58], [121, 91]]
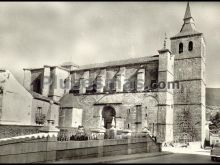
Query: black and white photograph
[[110, 82]]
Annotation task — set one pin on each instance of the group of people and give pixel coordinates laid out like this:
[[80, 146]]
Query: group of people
[[80, 134]]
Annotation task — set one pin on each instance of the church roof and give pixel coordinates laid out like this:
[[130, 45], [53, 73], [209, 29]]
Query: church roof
[[186, 33], [41, 97], [188, 12], [120, 62], [188, 27]]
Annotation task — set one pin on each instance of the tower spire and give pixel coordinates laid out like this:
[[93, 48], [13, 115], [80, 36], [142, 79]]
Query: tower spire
[[188, 25], [188, 12]]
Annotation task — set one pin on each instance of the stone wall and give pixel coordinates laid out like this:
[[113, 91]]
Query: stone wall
[[8, 131], [57, 88], [125, 106], [189, 100], [108, 147], [110, 74], [44, 105], [36, 83], [46, 148]]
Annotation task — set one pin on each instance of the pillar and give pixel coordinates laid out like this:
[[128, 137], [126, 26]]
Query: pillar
[[101, 81], [165, 97], [140, 80], [46, 81]]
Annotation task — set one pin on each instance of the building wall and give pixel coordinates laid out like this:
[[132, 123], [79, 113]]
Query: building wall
[[165, 98], [110, 73], [16, 101], [125, 105], [37, 80], [48, 149], [70, 117], [57, 88], [189, 100], [45, 107]]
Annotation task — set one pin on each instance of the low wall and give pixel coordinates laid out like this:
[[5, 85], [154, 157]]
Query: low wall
[[47, 148], [7, 131]]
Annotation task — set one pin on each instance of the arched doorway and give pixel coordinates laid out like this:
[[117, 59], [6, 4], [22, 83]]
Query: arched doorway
[[108, 113]]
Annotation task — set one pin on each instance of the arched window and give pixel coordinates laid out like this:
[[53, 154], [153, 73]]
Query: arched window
[[180, 48], [190, 46]]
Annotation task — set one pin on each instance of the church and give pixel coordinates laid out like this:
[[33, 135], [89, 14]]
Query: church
[[163, 93]]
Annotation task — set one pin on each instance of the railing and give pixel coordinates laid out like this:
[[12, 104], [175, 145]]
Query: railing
[[68, 134]]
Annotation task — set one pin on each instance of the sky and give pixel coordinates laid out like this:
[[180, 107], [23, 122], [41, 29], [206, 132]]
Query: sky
[[33, 34]]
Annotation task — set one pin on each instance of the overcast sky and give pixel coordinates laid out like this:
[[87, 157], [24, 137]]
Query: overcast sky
[[33, 34]]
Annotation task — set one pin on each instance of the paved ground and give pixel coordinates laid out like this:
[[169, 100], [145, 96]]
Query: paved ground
[[193, 154], [173, 158], [112, 159], [168, 155]]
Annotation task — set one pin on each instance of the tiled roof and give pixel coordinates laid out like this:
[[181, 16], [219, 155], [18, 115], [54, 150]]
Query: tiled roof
[[187, 33], [120, 62]]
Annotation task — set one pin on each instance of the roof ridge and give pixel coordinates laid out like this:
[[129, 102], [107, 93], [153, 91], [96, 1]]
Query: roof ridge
[[117, 62]]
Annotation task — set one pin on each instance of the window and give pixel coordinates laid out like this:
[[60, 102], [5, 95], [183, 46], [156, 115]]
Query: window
[[39, 110], [129, 111], [1, 90], [190, 46], [37, 86], [40, 117], [180, 48]]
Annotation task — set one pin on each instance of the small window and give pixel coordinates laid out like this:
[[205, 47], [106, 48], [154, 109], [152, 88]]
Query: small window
[[190, 46], [180, 48], [39, 110], [129, 111]]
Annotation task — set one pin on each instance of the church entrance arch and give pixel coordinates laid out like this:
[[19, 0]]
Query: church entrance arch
[[108, 113]]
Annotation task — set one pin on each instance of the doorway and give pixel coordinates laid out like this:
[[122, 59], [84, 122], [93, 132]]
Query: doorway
[[108, 113]]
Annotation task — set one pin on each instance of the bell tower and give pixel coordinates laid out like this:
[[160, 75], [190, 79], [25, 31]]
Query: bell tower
[[188, 46]]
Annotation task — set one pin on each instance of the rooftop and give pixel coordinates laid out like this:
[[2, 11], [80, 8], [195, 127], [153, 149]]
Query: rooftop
[[41, 97], [129, 61]]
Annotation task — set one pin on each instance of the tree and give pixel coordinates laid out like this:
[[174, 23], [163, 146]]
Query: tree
[[215, 121]]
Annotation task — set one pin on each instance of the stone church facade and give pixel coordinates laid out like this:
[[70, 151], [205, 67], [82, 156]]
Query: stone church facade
[[164, 93]]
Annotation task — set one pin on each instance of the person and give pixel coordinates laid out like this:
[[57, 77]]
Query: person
[[80, 134]]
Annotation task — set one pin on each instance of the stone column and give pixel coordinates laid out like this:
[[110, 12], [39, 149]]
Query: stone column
[[165, 97], [46, 81], [27, 79], [82, 88], [101, 81], [140, 80], [84, 82], [120, 80]]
